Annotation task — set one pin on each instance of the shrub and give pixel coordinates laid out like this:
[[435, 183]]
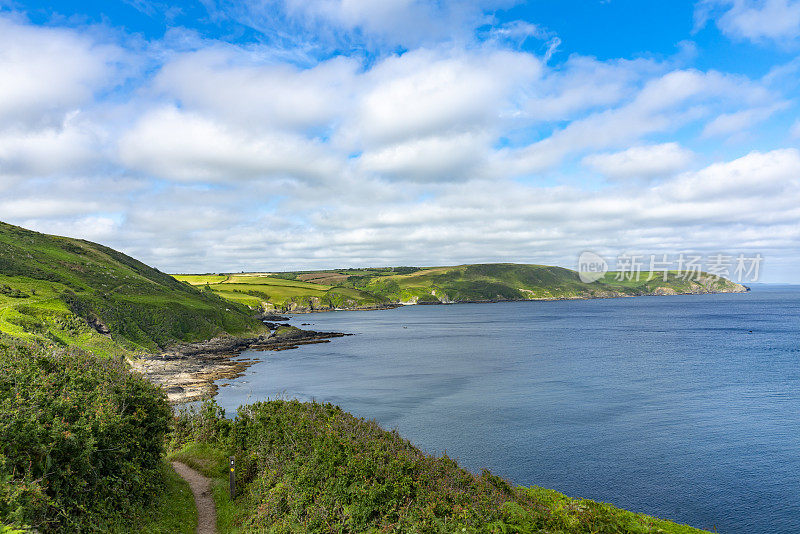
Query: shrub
[[310, 467], [81, 439]]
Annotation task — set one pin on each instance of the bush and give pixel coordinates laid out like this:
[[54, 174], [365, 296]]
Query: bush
[[81, 439], [309, 467]]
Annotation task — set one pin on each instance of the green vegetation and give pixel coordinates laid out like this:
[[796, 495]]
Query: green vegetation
[[286, 292], [359, 288], [308, 467], [71, 292], [171, 512], [211, 461], [81, 440]]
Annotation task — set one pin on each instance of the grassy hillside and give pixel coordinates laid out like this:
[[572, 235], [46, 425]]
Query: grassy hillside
[[309, 467], [354, 288], [74, 292], [285, 293]]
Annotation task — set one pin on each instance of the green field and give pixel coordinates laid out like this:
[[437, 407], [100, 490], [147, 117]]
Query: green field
[[71, 292], [272, 292], [360, 288]]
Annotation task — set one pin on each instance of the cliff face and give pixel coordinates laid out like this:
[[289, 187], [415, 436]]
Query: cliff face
[[452, 291], [510, 282]]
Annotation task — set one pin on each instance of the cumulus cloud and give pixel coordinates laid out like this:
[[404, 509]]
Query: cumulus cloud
[[583, 84], [425, 92], [45, 206], [754, 20], [233, 85], [754, 175], [409, 23], [430, 159], [187, 147], [227, 157], [49, 71], [93, 228], [69, 147], [642, 162]]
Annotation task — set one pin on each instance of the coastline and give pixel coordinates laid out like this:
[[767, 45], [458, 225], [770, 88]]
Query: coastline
[[658, 292], [187, 371]]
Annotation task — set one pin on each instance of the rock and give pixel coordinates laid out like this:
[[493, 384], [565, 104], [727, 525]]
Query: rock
[[273, 317], [187, 371], [98, 325], [661, 291]]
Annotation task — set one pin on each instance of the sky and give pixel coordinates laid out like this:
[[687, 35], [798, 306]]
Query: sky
[[260, 135]]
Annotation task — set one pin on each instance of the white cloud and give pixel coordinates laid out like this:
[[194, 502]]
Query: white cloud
[[93, 228], [188, 147], [48, 72], [317, 27], [430, 159], [428, 92], [400, 22], [755, 20], [584, 83], [642, 162], [234, 86], [398, 158], [754, 175], [70, 147], [45, 206], [739, 121]]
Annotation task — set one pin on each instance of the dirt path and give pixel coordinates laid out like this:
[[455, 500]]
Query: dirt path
[[201, 488]]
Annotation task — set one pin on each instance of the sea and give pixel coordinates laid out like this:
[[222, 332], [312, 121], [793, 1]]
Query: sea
[[682, 407]]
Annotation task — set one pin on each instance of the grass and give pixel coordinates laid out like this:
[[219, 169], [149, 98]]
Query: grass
[[212, 462], [73, 292], [172, 512], [201, 279], [273, 281], [264, 291]]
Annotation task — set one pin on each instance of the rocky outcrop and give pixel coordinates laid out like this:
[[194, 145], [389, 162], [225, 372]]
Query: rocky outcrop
[[273, 317], [99, 326], [187, 371], [661, 291]]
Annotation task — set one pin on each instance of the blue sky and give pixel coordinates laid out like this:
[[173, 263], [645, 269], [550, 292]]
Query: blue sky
[[287, 134]]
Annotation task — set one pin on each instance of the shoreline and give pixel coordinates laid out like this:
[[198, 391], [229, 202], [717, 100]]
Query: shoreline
[[660, 292], [187, 372]]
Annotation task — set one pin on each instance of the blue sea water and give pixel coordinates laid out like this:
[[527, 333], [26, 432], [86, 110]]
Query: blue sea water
[[684, 407]]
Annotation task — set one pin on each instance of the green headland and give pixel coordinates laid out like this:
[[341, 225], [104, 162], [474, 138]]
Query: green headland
[[378, 287]]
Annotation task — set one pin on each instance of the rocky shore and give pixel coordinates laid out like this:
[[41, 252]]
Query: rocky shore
[[187, 371]]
